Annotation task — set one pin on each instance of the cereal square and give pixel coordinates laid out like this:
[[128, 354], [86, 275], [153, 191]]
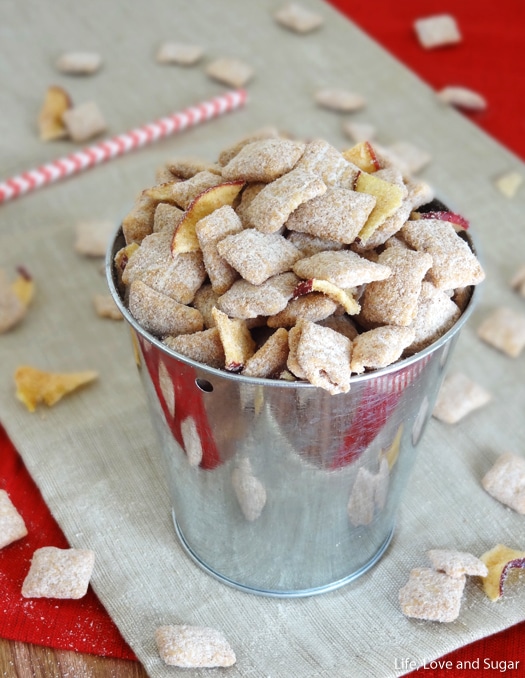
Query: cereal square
[[324, 357], [340, 100], [84, 121], [230, 152], [179, 53], [93, 236], [379, 347], [342, 268], [193, 647], [436, 314], [457, 563], [264, 160], [453, 262], [138, 223], [161, 315], [78, 63], [167, 218], [504, 329], [506, 481], [59, 573], [458, 396], [324, 160], [339, 214], [437, 31], [245, 300], [204, 347], [258, 256], [432, 595], [229, 71], [105, 307], [12, 526], [210, 231], [269, 360], [314, 306], [298, 18], [394, 301], [270, 209]]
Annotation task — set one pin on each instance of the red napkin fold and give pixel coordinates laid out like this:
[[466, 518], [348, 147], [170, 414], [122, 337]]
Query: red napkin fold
[[82, 625]]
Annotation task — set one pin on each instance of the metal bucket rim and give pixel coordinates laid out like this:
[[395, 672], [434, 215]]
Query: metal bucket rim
[[278, 383]]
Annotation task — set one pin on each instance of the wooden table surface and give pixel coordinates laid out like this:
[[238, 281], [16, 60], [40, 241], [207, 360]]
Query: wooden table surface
[[21, 660]]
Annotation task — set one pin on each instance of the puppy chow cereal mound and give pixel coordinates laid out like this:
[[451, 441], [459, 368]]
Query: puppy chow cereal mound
[[59, 573], [432, 595], [193, 647], [12, 525], [293, 260]]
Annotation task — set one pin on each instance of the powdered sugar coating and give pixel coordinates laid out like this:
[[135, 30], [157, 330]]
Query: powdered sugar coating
[[193, 647], [59, 573], [12, 525]]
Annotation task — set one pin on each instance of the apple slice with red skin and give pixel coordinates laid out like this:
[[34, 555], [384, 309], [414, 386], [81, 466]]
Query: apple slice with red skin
[[337, 294], [185, 238], [50, 124], [500, 561], [442, 215], [363, 156]]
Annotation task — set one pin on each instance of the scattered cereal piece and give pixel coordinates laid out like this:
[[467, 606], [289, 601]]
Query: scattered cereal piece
[[379, 347], [232, 72], [35, 386], [518, 281], [249, 490], [162, 315], [59, 573], [457, 397], [93, 237], [50, 124], [203, 347], [340, 100], [432, 595], [12, 525], [509, 183], [408, 157], [358, 131], [457, 563], [338, 214], [236, 340], [500, 561], [258, 256], [504, 329], [437, 31], [12, 309], [505, 481], [453, 262], [462, 97], [179, 53], [323, 356], [193, 647], [393, 301], [264, 160], [298, 18], [105, 307], [270, 209], [84, 121], [79, 63]]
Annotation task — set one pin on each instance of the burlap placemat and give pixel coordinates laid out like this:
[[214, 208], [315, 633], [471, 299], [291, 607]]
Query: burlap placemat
[[95, 456]]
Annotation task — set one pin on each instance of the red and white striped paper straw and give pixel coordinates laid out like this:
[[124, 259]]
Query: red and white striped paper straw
[[119, 145]]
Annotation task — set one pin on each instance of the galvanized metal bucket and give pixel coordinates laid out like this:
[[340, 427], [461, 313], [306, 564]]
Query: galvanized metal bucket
[[279, 488]]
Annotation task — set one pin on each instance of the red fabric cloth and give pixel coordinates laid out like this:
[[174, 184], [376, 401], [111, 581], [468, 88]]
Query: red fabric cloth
[[490, 61], [82, 625]]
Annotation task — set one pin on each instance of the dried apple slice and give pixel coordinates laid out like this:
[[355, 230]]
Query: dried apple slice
[[50, 124], [185, 239], [388, 200], [23, 286], [442, 215], [337, 294], [35, 386], [364, 156], [500, 561]]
